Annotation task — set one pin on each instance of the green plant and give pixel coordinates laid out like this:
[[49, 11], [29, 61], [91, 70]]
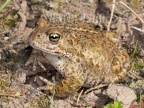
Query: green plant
[[4, 5], [135, 52], [135, 58], [141, 100], [52, 99], [140, 105], [115, 105]]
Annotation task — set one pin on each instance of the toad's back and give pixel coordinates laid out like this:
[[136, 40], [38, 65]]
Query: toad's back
[[81, 54]]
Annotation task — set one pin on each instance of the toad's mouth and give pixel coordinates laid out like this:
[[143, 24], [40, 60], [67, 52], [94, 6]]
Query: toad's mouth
[[40, 48]]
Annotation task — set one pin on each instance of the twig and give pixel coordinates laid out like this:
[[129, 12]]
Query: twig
[[9, 95], [79, 96], [112, 11], [17, 94], [138, 29], [132, 11], [96, 87]]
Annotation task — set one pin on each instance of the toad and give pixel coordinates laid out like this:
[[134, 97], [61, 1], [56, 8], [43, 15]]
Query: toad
[[82, 55]]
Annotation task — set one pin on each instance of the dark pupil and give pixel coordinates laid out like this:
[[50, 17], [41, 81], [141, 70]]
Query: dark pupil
[[54, 37]]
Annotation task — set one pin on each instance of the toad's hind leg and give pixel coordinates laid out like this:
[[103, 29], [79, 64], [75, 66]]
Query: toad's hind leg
[[65, 88]]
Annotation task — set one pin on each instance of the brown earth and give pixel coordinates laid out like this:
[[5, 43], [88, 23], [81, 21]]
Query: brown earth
[[18, 83]]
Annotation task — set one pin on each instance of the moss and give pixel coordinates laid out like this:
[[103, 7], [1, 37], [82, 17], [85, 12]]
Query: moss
[[43, 103], [138, 65], [135, 3], [15, 59], [10, 21], [40, 102], [78, 15], [137, 84], [4, 82]]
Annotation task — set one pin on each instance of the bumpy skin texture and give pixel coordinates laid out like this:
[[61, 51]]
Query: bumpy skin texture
[[82, 55]]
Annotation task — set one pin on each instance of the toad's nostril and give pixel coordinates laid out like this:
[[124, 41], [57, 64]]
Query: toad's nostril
[[38, 35]]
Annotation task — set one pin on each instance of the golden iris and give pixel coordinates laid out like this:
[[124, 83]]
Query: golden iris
[[54, 37]]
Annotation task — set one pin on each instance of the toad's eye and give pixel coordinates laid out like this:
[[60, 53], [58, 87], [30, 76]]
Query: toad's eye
[[54, 37]]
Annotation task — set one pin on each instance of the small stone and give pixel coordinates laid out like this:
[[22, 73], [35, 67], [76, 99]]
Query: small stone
[[1, 45], [35, 1], [21, 75], [6, 38], [91, 99], [122, 94]]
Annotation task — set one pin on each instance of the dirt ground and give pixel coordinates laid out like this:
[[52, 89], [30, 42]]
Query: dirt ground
[[19, 84]]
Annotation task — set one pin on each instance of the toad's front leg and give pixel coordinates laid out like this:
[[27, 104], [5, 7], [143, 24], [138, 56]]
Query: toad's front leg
[[65, 88], [36, 59]]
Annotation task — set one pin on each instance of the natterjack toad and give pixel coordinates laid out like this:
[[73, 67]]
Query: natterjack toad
[[80, 54]]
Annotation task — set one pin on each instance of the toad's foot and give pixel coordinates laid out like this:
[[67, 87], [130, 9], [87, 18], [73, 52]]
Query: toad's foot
[[36, 59], [65, 88]]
